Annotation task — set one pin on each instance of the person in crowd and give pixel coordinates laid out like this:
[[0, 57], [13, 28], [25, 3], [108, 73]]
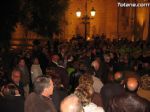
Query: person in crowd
[[107, 67], [11, 100], [16, 80], [132, 85], [98, 70], [124, 63], [144, 90], [25, 76], [59, 92], [93, 54], [71, 104], [96, 66], [35, 69], [87, 58], [85, 93], [61, 71], [145, 67], [110, 77], [135, 67], [97, 83], [43, 57], [54, 61], [62, 52], [87, 79], [80, 69], [129, 101], [112, 89], [39, 100]]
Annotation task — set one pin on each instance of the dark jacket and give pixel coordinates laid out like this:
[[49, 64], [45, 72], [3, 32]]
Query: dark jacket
[[110, 90], [12, 104], [38, 103], [63, 76], [62, 72], [58, 95], [97, 99], [128, 102]]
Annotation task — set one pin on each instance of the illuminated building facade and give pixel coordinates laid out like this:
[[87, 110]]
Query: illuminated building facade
[[110, 19]]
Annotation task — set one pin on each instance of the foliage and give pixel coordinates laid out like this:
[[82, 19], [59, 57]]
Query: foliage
[[9, 10], [125, 50], [43, 16], [40, 16]]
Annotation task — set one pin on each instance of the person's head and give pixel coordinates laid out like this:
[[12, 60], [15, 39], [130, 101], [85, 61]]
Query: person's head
[[36, 61], [132, 85], [71, 104], [128, 103], [63, 49], [86, 79], [85, 93], [118, 77], [51, 72], [126, 60], [145, 82], [21, 62], [43, 86], [110, 77], [107, 58], [55, 58], [145, 64], [94, 50], [82, 67], [9, 90], [111, 55], [16, 76], [96, 65]]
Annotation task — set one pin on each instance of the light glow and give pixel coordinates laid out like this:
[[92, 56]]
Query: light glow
[[93, 12], [78, 13]]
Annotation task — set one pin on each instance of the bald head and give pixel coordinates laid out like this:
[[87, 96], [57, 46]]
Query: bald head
[[71, 104], [132, 84], [118, 76], [95, 64]]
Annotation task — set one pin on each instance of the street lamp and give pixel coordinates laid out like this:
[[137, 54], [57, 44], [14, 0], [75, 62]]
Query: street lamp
[[93, 12], [78, 13], [86, 18]]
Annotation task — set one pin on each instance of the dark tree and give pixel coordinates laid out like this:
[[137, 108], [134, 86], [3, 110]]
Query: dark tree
[[43, 16], [148, 38], [9, 10]]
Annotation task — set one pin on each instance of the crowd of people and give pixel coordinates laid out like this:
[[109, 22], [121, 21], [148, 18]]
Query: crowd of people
[[76, 76]]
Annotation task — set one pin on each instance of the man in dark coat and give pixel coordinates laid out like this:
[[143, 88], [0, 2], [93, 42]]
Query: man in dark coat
[[130, 101], [39, 100], [112, 89], [63, 76], [61, 71], [58, 95]]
